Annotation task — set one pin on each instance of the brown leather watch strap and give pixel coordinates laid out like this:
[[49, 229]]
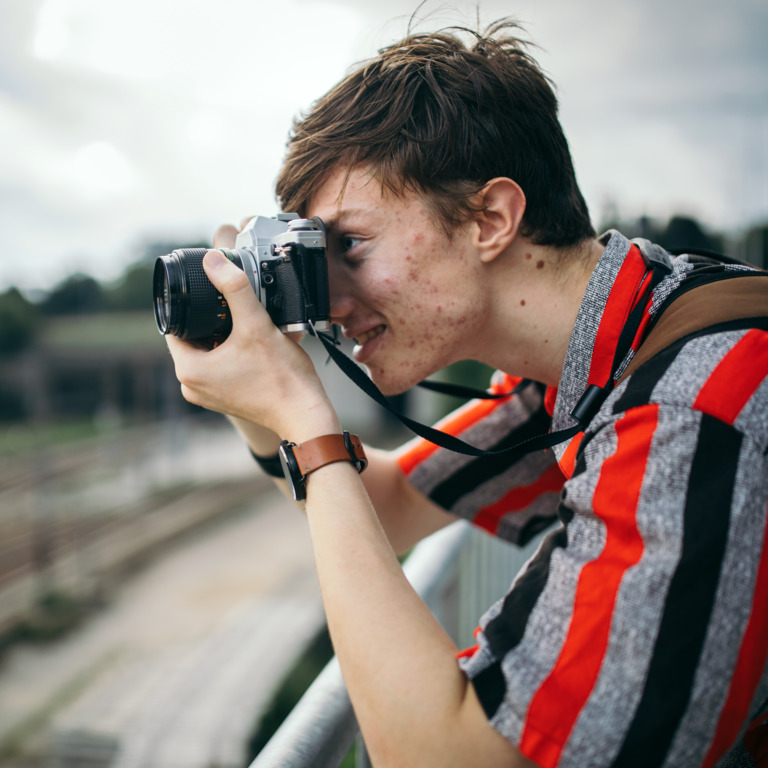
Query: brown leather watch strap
[[326, 449]]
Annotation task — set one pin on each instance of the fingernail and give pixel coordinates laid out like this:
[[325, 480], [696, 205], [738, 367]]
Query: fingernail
[[214, 259]]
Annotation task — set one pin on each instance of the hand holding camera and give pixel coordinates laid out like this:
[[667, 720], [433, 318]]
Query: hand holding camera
[[253, 373]]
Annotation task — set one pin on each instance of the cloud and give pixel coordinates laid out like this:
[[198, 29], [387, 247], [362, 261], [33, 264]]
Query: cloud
[[124, 120]]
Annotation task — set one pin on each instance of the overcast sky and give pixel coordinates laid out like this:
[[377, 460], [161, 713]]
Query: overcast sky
[[128, 120]]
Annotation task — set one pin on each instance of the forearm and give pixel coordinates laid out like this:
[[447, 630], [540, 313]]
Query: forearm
[[413, 703], [262, 441]]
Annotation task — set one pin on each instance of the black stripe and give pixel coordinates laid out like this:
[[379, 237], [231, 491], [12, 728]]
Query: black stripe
[[643, 381], [690, 599], [506, 630], [490, 686], [482, 469]]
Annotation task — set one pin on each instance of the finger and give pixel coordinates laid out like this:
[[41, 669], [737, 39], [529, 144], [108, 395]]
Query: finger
[[234, 285], [225, 236]]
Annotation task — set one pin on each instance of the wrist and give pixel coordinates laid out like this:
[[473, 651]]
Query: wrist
[[299, 460], [308, 426]]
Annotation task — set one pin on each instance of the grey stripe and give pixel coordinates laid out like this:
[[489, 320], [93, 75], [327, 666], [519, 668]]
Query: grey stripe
[[642, 594], [753, 418], [692, 367], [494, 488], [505, 418], [512, 523]]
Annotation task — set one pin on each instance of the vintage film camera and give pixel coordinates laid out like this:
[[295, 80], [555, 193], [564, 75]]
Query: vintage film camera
[[285, 260]]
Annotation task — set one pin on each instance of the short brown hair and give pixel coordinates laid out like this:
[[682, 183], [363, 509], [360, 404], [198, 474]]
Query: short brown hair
[[442, 118]]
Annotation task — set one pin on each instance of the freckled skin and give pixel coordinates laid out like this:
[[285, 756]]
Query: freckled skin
[[401, 257]]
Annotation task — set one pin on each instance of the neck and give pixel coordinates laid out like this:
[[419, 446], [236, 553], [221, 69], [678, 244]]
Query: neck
[[535, 295]]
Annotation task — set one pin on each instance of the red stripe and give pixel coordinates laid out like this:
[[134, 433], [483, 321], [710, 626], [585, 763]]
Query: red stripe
[[519, 498], [468, 653], [455, 423], [623, 294], [568, 459], [561, 697], [735, 378], [752, 659]]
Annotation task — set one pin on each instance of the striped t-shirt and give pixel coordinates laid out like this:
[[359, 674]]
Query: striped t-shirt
[[638, 632]]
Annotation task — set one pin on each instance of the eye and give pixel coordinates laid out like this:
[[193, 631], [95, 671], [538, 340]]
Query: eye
[[347, 243]]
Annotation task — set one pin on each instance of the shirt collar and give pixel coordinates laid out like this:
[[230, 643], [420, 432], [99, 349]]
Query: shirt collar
[[611, 292]]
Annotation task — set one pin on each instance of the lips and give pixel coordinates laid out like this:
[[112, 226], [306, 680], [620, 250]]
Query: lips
[[366, 343], [365, 336]]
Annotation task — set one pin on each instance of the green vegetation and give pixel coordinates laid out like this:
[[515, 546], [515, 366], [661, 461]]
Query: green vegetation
[[18, 439]]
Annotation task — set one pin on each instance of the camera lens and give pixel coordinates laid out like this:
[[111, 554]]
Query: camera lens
[[186, 303]]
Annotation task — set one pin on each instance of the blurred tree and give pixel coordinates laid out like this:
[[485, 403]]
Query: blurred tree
[[19, 321], [685, 232], [133, 291], [756, 246], [79, 294]]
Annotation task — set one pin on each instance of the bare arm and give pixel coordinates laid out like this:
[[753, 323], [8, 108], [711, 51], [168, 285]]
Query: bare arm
[[414, 704]]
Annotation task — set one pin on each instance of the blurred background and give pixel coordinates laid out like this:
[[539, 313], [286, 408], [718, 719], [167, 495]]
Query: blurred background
[[154, 590]]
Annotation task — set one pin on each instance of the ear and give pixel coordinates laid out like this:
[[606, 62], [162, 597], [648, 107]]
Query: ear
[[498, 223]]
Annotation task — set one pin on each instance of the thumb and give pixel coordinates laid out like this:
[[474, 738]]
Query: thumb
[[231, 281]]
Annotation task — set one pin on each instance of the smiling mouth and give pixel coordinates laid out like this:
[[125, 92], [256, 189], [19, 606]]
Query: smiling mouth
[[363, 338]]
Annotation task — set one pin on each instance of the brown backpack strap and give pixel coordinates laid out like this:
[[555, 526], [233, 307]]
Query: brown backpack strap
[[737, 298]]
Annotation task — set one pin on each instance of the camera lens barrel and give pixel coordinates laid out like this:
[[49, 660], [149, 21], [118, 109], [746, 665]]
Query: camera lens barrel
[[285, 261], [186, 303]]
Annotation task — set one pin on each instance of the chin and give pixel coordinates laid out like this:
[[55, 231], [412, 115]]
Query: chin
[[391, 386]]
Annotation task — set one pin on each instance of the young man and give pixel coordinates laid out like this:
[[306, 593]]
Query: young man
[[637, 634]]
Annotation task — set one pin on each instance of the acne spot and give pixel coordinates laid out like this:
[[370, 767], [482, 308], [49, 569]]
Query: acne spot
[[528, 255], [462, 320], [401, 321], [439, 308], [539, 265], [546, 341], [522, 302]]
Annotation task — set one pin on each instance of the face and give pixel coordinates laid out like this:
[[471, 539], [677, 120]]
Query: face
[[410, 296]]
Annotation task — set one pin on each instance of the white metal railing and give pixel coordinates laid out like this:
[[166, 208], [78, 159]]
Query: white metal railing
[[459, 572]]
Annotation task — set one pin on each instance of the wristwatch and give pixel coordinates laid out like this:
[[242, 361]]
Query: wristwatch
[[298, 461]]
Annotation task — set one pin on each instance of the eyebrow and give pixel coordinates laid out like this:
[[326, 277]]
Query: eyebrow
[[341, 216]]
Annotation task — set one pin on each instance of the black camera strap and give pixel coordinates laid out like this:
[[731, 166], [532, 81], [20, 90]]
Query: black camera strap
[[443, 439]]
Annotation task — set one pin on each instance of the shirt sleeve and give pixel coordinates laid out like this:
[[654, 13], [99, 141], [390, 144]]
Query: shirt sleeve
[[512, 500]]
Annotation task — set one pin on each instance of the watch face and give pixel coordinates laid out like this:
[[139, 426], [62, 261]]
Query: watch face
[[296, 481]]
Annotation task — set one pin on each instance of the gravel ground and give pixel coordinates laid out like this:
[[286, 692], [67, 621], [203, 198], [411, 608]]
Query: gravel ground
[[175, 671]]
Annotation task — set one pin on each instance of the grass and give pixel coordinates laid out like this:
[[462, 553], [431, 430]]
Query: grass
[[16, 439], [113, 331]]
